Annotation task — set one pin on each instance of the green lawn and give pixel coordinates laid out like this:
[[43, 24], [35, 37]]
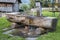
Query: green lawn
[[50, 36]]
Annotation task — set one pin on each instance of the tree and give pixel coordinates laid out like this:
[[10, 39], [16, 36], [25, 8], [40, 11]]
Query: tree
[[45, 3], [32, 3], [25, 7]]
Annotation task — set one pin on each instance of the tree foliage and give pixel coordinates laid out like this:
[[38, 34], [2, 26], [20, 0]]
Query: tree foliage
[[32, 3], [25, 7], [45, 3]]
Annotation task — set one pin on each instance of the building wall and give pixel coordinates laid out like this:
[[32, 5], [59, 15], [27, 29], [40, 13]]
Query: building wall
[[16, 7], [5, 7], [9, 1]]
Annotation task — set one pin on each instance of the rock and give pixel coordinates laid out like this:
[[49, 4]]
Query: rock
[[8, 32], [5, 29], [31, 33], [29, 38], [39, 31], [13, 25]]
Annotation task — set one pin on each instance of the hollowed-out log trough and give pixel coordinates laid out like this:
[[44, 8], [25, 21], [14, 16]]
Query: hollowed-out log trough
[[31, 25]]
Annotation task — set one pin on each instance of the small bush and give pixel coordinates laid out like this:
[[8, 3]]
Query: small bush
[[4, 23]]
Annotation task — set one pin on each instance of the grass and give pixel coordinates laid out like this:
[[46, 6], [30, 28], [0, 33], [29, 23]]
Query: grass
[[52, 35], [5, 24], [47, 13]]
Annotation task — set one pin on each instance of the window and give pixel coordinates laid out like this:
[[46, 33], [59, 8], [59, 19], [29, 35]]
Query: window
[[9, 5], [3, 5]]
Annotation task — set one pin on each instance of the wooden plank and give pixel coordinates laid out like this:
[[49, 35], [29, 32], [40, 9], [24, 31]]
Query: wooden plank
[[6, 9], [5, 5], [58, 4]]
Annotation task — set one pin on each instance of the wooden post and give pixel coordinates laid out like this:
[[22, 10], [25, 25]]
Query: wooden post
[[56, 6], [39, 8]]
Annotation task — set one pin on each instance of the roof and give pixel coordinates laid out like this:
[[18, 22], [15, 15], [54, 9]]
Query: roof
[[8, 1]]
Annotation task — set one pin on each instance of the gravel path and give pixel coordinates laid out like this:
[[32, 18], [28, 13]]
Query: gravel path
[[31, 38]]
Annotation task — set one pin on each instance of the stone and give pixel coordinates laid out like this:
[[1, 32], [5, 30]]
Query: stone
[[5, 29], [29, 38], [13, 25], [39, 31]]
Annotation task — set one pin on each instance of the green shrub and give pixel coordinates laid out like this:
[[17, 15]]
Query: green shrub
[[4, 23]]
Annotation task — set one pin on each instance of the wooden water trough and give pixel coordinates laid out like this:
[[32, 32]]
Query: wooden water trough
[[41, 24]]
